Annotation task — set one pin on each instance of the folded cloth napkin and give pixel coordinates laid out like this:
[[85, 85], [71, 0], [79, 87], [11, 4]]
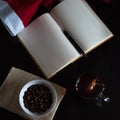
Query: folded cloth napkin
[[10, 89], [16, 14]]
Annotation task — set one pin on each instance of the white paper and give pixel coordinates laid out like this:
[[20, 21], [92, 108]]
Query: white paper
[[82, 24], [47, 44]]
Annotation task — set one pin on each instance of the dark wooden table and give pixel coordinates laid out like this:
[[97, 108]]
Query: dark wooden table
[[103, 61]]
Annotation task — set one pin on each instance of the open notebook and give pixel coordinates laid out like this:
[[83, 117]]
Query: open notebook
[[51, 49]]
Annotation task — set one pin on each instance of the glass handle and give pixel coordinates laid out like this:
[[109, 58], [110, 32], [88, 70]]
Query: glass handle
[[101, 98]]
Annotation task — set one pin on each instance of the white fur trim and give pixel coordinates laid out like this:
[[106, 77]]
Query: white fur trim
[[10, 19]]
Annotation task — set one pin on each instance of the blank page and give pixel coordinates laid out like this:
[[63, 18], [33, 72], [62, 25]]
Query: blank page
[[82, 24], [47, 44]]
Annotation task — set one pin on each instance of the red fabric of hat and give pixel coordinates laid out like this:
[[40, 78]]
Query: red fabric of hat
[[106, 1], [25, 9], [48, 3]]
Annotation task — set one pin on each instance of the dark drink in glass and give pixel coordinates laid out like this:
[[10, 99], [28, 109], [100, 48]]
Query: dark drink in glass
[[89, 86]]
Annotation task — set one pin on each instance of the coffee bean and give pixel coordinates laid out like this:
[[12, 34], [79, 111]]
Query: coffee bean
[[38, 98]]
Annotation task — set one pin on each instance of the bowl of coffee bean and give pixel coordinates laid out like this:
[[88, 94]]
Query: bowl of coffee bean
[[38, 98]]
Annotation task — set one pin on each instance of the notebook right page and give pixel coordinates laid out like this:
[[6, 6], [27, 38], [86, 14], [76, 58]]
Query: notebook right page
[[78, 19]]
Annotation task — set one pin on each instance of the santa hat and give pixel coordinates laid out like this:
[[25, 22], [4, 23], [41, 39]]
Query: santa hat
[[16, 14]]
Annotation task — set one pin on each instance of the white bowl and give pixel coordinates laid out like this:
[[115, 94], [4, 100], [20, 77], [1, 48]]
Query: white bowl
[[34, 82]]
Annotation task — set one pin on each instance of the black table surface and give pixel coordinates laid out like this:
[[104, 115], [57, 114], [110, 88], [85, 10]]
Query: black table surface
[[103, 61]]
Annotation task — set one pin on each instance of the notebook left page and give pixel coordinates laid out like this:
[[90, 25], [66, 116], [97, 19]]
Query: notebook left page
[[47, 45]]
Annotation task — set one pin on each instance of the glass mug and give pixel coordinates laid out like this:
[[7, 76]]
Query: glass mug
[[90, 87]]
